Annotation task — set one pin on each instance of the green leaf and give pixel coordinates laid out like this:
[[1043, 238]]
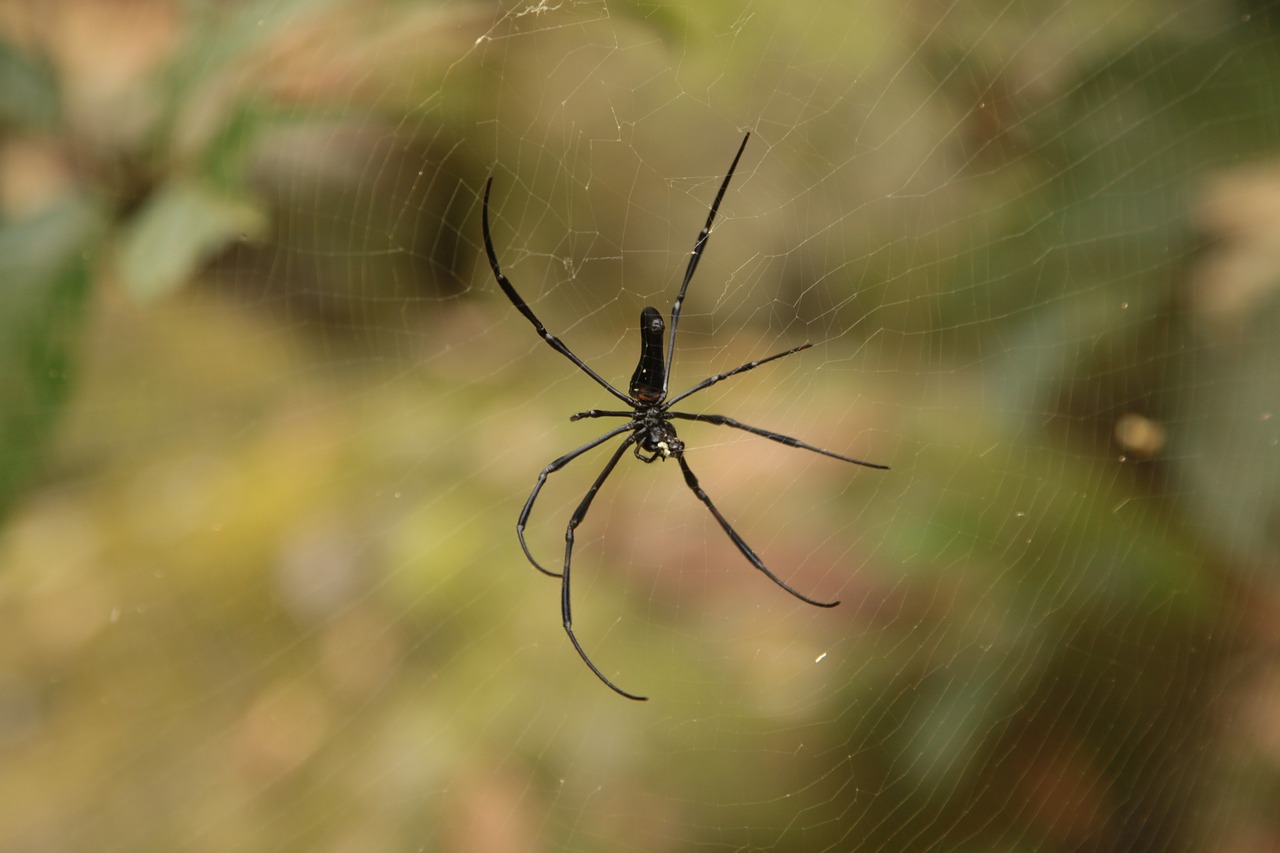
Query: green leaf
[[44, 286], [180, 228]]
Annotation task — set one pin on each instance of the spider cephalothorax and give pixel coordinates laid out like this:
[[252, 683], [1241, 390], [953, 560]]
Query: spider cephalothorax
[[649, 417], [656, 436]]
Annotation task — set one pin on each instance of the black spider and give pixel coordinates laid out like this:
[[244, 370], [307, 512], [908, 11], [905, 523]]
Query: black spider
[[648, 417]]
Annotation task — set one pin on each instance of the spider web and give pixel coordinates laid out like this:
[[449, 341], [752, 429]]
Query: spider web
[[263, 591]]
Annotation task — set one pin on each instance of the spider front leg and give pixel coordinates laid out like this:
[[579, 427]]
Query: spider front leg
[[574, 520], [692, 482], [542, 479]]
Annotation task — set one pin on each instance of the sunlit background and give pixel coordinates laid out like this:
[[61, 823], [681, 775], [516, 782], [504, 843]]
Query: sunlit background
[[266, 423]]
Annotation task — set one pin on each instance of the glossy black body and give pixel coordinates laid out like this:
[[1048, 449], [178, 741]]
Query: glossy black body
[[648, 430], [649, 382]]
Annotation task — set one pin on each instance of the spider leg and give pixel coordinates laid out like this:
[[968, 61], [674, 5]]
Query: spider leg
[[692, 483], [574, 520], [507, 288], [600, 413], [750, 365], [698, 246], [636, 423], [722, 420], [542, 479]]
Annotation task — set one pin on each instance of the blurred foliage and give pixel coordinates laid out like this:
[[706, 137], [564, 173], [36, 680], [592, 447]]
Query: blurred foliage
[[266, 425], [46, 284], [30, 91]]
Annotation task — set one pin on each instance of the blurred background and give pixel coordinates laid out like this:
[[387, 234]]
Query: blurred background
[[266, 423]]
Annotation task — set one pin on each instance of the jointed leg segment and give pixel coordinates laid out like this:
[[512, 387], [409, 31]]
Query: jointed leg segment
[[692, 482], [574, 520], [542, 479]]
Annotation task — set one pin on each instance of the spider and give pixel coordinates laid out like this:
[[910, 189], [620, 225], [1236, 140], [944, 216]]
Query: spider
[[649, 430]]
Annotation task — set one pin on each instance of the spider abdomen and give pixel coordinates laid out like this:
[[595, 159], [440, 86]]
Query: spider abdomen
[[647, 383]]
